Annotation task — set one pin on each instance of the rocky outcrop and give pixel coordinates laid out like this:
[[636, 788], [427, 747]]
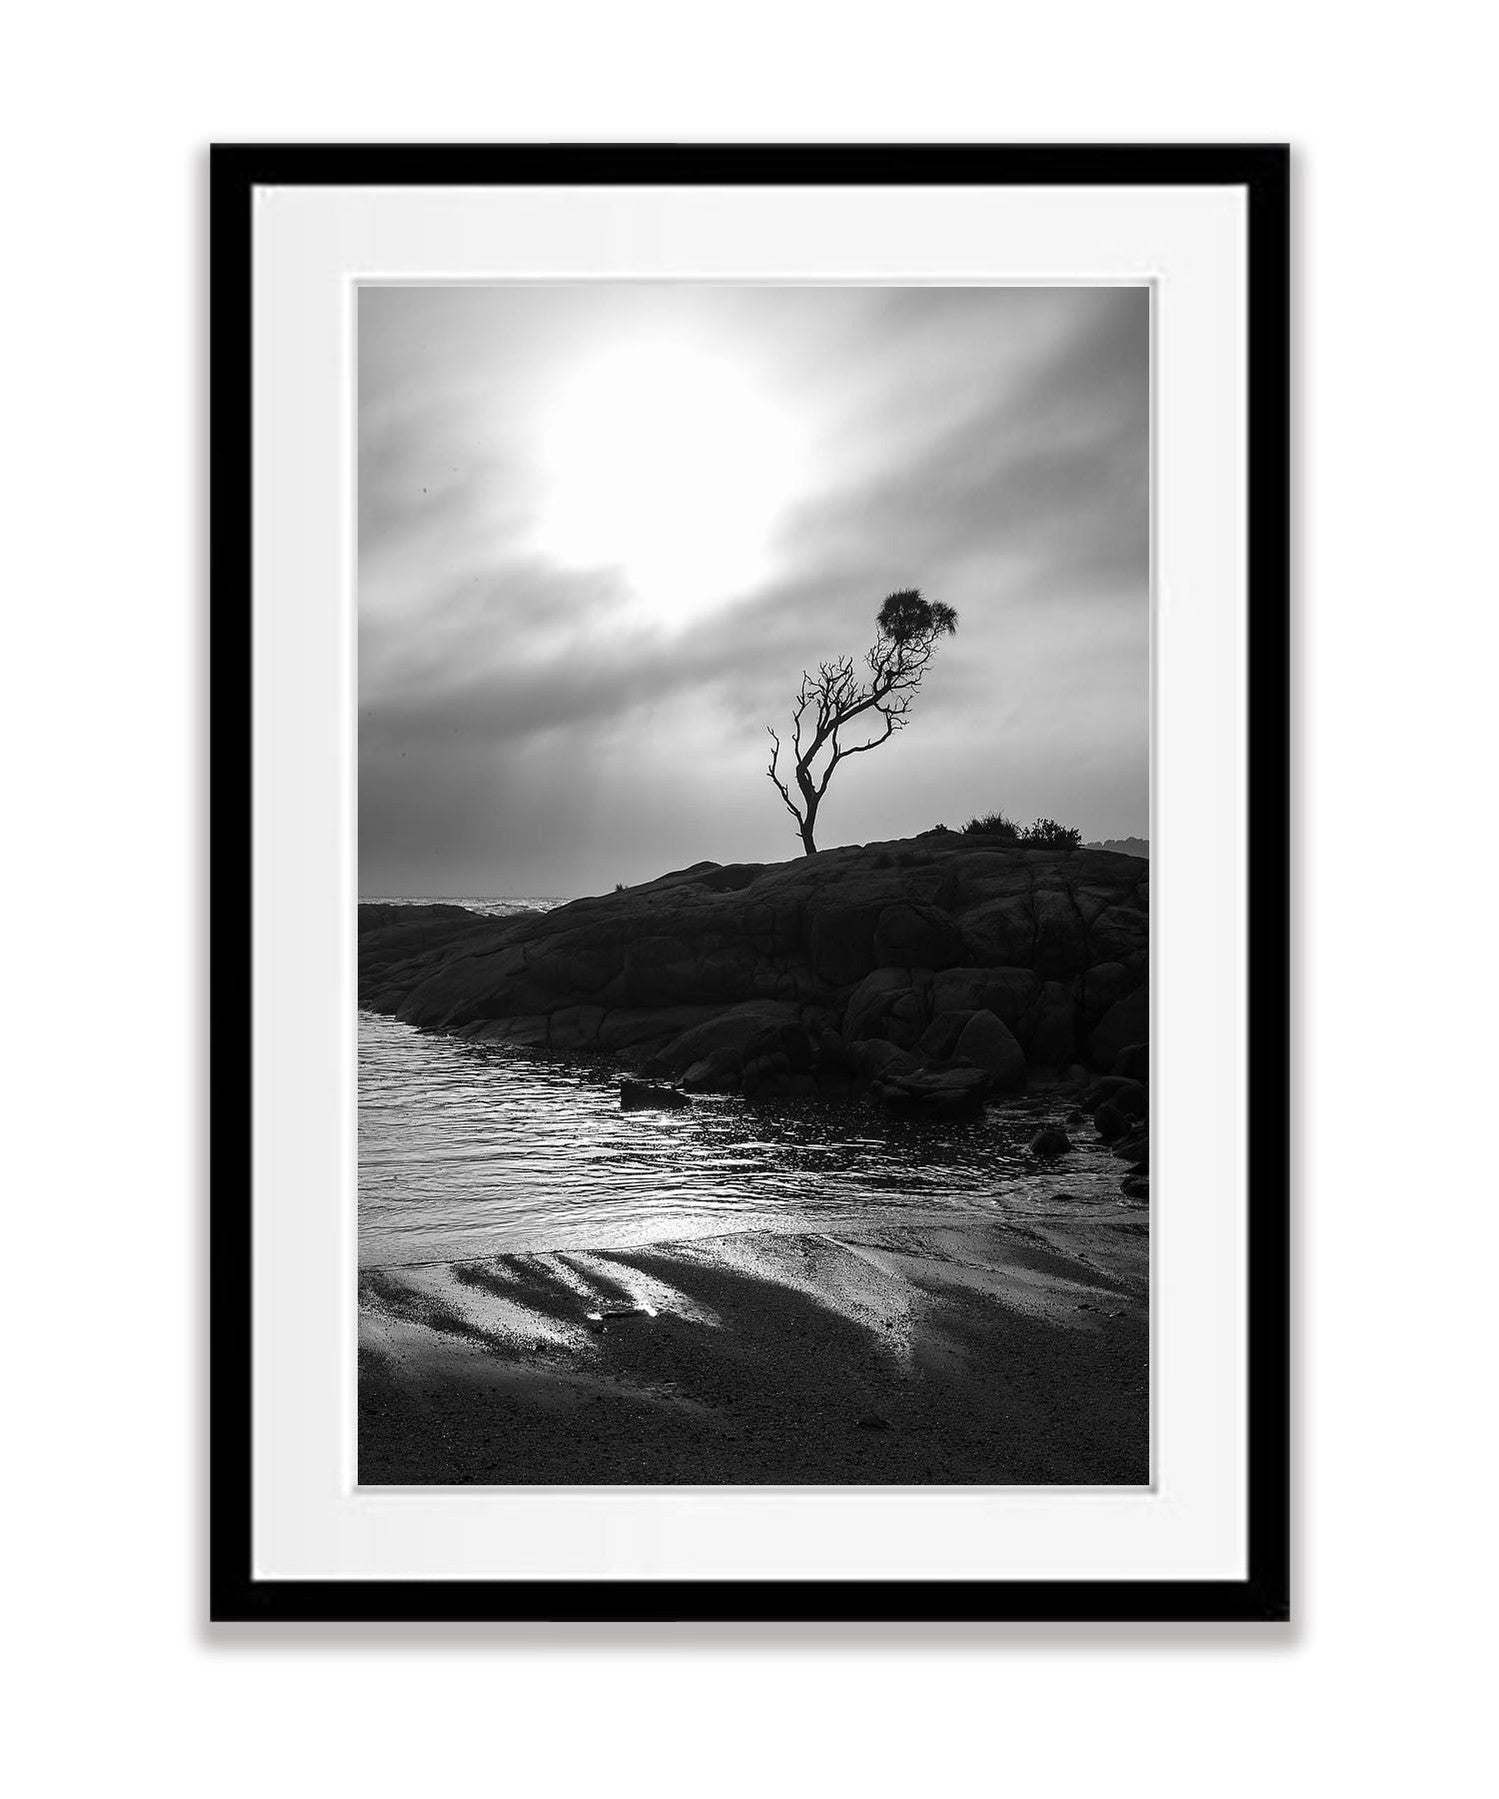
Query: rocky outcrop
[[856, 969]]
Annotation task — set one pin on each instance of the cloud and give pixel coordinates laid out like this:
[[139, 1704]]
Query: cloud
[[523, 730]]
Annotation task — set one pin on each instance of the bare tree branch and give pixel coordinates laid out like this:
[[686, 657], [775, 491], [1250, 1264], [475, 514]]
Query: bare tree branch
[[780, 784]]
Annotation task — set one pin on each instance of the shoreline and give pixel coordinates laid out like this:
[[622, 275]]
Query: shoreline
[[967, 1352]]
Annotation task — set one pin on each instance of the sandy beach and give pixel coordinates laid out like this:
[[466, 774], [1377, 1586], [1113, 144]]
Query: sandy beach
[[960, 1352]]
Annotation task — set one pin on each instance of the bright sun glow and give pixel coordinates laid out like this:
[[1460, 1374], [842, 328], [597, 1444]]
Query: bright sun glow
[[673, 464]]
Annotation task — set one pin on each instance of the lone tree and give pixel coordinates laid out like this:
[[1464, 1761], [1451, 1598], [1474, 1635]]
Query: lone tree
[[907, 631]]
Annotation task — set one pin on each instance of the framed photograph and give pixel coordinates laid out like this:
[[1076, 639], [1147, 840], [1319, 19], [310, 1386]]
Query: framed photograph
[[749, 883]]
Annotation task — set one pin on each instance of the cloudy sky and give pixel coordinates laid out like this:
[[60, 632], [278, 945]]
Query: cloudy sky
[[603, 528]]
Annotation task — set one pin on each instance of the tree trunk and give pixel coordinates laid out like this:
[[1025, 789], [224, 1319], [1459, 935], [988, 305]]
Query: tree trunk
[[811, 800]]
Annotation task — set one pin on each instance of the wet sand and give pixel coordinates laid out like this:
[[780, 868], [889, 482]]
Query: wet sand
[[954, 1352]]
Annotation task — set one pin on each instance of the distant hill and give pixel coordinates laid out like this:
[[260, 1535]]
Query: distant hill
[[1122, 846]]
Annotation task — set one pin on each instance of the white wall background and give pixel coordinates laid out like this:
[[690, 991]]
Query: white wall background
[[116, 1682]]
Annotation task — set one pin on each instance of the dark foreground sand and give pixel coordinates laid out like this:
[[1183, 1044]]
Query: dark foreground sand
[[949, 1352]]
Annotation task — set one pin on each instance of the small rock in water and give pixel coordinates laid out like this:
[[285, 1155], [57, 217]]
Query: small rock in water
[[1110, 1122], [1050, 1143], [640, 1096], [873, 1421]]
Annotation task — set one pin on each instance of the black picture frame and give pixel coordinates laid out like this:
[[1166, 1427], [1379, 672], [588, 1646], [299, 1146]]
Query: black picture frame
[[1262, 172]]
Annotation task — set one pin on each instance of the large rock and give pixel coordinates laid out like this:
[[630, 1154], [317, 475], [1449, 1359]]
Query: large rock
[[940, 1038], [932, 1092], [747, 1030], [888, 1003], [658, 971], [1009, 993], [990, 1044], [447, 988], [1127, 1021], [767, 1077], [841, 941], [1002, 932], [635, 1027], [1060, 949], [575, 1027], [874, 1057], [717, 1072], [917, 937], [1050, 1031], [1120, 931], [1100, 987]]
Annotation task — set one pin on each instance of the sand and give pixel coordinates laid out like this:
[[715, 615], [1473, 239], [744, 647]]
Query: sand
[[946, 1352]]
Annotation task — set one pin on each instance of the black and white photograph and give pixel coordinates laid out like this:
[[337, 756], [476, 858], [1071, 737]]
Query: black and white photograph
[[725, 694], [754, 835]]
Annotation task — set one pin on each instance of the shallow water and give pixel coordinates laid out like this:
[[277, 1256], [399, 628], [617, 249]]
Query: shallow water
[[470, 1150]]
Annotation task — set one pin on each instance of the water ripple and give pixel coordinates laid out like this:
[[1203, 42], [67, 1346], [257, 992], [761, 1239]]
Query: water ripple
[[469, 1150]]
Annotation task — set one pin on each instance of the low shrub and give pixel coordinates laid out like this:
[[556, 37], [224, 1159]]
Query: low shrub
[[993, 824], [1055, 836], [1046, 833]]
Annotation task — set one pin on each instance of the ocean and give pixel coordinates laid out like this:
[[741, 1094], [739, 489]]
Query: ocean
[[472, 1150]]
